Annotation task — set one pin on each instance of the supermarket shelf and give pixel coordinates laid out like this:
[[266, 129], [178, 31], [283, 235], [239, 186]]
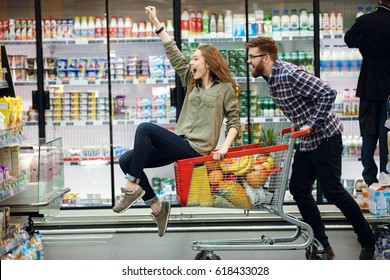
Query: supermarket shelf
[[13, 242], [149, 81], [241, 39], [102, 122], [82, 41]]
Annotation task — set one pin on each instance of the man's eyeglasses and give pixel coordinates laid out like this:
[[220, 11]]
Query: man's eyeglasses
[[251, 56]]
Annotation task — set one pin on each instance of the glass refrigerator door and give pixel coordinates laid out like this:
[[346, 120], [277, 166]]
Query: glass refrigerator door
[[142, 79], [340, 67], [220, 23], [76, 77]]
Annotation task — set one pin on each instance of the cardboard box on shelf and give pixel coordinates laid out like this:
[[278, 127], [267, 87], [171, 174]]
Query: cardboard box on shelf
[[378, 199]]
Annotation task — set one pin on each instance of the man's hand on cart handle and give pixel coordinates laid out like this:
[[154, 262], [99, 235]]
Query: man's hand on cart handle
[[306, 128]]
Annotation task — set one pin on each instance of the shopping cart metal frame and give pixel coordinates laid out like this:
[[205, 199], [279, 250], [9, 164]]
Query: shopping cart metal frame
[[303, 231]]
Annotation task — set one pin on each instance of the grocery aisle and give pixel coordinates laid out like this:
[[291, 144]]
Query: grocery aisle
[[175, 246]]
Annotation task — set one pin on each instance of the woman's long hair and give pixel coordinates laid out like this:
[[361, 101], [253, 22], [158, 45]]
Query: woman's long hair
[[218, 67]]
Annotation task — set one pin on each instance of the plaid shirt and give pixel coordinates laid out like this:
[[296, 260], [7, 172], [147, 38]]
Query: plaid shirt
[[305, 100]]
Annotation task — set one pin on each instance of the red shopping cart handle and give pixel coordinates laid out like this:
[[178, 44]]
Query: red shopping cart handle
[[295, 134]]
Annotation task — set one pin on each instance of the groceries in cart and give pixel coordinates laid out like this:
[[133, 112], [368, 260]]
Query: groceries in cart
[[249, 177]]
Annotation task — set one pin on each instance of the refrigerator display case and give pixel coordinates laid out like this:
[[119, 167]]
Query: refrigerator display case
[[102, 77]]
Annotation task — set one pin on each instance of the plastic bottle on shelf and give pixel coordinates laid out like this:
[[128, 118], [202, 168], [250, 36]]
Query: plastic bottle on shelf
[[149, 30], [285, 24], [134, 29], [338, 104], [259, 19], [114, 27], [185, 24], [333, 22], [220, 26], [360, 12], [213, 25], [339, 23], [359, 146], [294, 23], [170, 29], [199, 24], [347, 103], [228, 24], [98, 27], [311, 24], [77, 28], [142, 29], [268, 25], [326, 23], [325, 62], [344, 62], [91, 27], [276, 24], [127, 26], [206, 23], [303, 22], [84, 28], [104, 26], [192, 23], [121, 27]]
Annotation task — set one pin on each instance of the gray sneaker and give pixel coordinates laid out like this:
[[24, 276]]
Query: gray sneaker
[[128, 199], [161, 218]]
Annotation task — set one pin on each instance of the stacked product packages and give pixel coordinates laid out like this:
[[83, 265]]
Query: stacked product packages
[[76, 106]]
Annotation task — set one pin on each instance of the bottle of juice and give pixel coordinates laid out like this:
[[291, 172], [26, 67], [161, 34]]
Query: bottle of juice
[[127, 28], [121, 27], [185, 24], [206, 23], [77, 28], [98, 27], [285, 24], [91, 27], [294, 23]]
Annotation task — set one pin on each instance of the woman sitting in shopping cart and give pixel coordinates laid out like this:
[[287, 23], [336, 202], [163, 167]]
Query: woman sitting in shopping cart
[[210, 97]]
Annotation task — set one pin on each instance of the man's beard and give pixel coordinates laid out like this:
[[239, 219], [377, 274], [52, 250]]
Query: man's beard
[[258, 71]]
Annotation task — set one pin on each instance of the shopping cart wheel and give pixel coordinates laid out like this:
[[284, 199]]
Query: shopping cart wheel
[[203, 255], [313, 254]]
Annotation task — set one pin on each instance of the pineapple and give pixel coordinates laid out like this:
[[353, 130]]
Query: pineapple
[[268, 137]]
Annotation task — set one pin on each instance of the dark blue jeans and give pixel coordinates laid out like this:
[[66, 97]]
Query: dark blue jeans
[[154, 146], [324, 164], [370, 169]]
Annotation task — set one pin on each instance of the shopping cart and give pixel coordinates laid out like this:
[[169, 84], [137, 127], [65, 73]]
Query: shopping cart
[[249, 177]]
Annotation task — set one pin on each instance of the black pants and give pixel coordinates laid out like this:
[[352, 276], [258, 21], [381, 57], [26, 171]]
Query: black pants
[[154, 146], [324, 164], [372, 118]]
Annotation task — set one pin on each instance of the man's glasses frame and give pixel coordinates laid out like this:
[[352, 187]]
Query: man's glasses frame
[[251, 56]]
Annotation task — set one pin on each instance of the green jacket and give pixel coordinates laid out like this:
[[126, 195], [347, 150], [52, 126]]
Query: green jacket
[[203, 109]]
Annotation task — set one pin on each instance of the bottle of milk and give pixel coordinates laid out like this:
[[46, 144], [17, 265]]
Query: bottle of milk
[[311, 24], [213, 26], [285, 24], [276, 24], [339, 23], [326, 23], [228, 24], [294, 23], [333, 22], [303, 22]]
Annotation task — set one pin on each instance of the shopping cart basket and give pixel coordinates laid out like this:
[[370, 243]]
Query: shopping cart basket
[[249, 177]]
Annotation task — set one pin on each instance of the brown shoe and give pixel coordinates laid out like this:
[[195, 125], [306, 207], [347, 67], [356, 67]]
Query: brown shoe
[[367, 253], [127, 199], [161, 218], [329, 253]]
